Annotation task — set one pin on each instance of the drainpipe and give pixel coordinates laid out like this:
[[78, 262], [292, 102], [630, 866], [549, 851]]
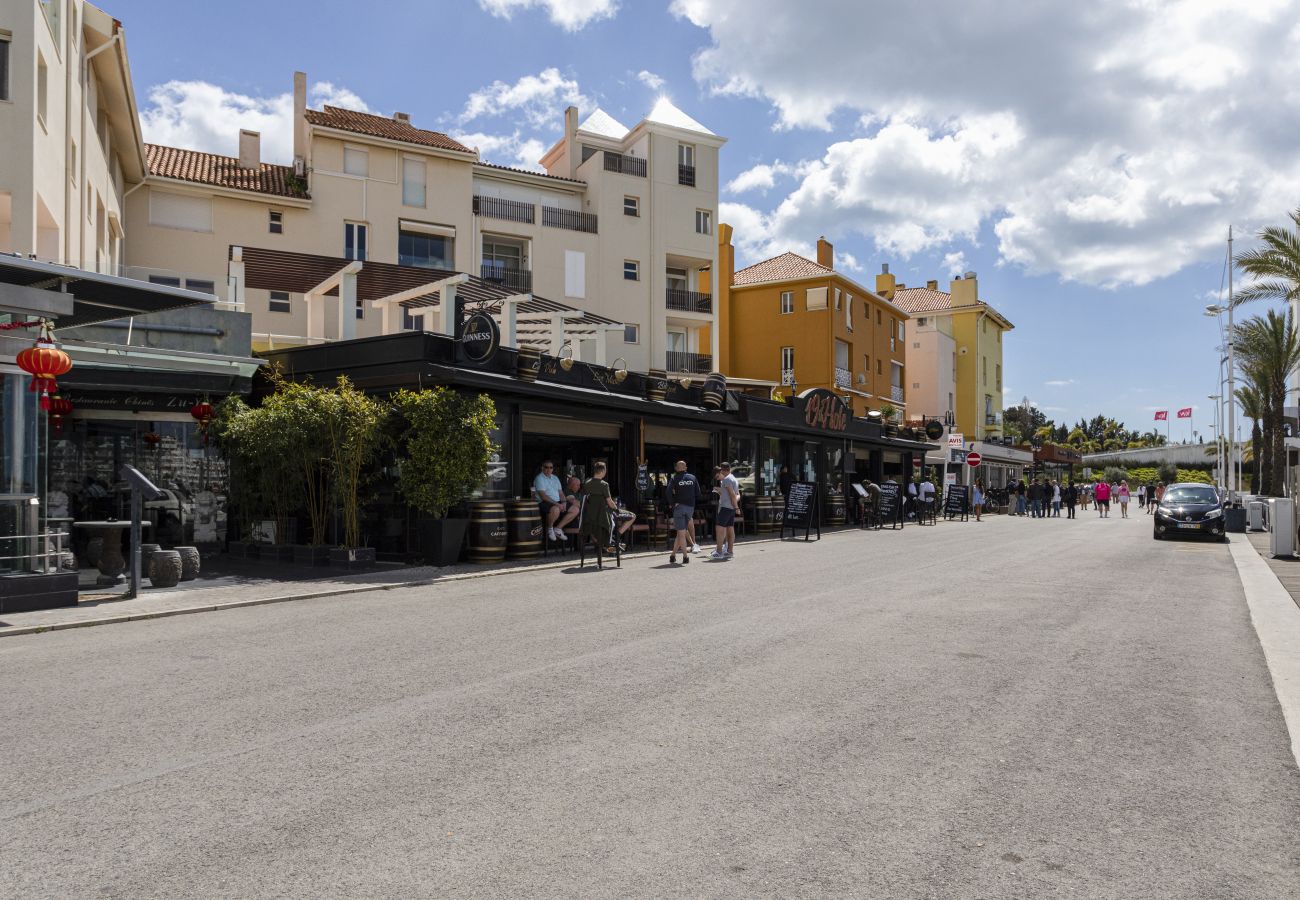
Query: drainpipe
[[85, 80]]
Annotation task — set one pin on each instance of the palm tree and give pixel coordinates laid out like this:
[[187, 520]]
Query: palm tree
[[1269, 351], [1252, 407], [1276, 265]]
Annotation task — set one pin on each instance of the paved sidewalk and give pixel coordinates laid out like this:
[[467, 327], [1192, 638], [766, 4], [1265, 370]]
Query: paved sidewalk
[[1286, 570]]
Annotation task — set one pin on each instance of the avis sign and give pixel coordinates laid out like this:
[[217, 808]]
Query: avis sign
[[824, 410]]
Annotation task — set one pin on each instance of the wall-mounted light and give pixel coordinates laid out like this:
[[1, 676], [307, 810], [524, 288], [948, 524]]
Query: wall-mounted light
[[566, 362], [620, 370]]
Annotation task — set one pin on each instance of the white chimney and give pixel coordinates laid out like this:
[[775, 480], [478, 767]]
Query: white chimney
[[300, 122], [250, 149]]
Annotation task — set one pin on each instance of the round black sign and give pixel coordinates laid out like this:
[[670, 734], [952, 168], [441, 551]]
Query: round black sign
[[480, 337], [934, 429]]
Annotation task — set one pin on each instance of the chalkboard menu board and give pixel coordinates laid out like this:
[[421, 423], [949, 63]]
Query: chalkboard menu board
[[891, 504], [957, 503], [801, 510]]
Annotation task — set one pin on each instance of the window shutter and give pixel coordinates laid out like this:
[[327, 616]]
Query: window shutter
[[817, 298], [180, 211], [575, 274]]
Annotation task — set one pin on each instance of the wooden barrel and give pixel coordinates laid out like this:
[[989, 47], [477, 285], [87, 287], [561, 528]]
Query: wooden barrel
[[835, 509], [714, 391], [656, 384], [765, 514], [528, 362], [647, 515], [487, 531], [525, 529]]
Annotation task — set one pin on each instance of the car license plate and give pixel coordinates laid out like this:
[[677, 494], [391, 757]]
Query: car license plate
[[1189, 524]]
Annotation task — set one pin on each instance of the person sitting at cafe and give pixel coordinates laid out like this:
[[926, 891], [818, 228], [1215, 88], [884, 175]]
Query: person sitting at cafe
[[597, 518], [572, 503], [548, 494]]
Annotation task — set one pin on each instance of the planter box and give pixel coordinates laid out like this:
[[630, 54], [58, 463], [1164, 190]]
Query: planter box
[[308, 555], [283, 553], [352, 557], [237, 549], [441, 540]]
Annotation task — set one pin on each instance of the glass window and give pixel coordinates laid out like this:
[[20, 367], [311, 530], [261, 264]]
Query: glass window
[[631, 206], [685, 154], [361, 308], [408, 320], [279, 302], [631, 334], [167, 280], [202, 285], [354, 240], [787, 361], [769, 466], [839, 299], [412, 182], [631, 270], [4, 68], [42, 87], [356, 161], [428, 251], [276, 222], [741, 452], [703, 221], [787, 301]]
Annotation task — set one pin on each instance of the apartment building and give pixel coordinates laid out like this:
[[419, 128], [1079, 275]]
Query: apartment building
[[70, 145], [619, 225], [974, 330], [800, 323]]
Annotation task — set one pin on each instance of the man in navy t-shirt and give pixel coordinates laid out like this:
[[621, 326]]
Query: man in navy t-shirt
[[684, 493]]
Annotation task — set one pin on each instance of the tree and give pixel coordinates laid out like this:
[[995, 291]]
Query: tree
[[354, 422], [1252, 407], [447, 442], [1167, 472], [1022, 421], [1276, 265], [1268, 352]]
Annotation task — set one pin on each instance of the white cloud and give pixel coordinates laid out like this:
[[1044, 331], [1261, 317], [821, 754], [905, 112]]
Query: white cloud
[[1060, 382], [506, 149], [537, 99], [1106, 142], [762, 177], [650, 79], [571, 15], [198, 115], [955, 263]]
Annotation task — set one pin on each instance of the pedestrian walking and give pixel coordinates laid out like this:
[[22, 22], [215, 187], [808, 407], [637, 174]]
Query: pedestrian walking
[[1102, 495], [1123, 499], [1035, 499], [684, 491], [1153, 497], [1056, 499], [1142, 495], [1070, 496], [977, 498], [728, 501]]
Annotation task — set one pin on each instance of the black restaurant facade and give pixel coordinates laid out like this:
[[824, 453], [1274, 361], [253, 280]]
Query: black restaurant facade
[[581, 413]]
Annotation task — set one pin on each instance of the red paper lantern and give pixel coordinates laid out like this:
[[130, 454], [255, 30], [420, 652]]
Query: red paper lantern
[[202, 412], [152, 438], [60, 409], [45, 363]]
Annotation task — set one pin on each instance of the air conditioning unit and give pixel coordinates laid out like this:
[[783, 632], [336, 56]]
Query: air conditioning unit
[[300, 167], [862, 379]]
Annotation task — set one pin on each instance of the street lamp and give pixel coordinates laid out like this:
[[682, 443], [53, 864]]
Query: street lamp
[[1231, 398], [1218, 437]]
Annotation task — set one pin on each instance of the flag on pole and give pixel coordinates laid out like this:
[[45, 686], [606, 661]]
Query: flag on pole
[[1185, 413], [1162, 415]]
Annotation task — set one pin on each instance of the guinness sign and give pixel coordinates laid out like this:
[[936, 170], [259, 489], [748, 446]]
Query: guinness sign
[[825, 410], [480, 338]]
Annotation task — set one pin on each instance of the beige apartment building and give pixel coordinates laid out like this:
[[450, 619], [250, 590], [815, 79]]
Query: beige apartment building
[[70, 145], [620, 225]]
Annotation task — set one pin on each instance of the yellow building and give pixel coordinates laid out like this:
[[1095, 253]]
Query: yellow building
[[801, 323], [975, 331]]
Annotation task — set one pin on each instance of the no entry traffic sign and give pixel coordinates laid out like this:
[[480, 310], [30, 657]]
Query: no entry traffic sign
[[973, 459]]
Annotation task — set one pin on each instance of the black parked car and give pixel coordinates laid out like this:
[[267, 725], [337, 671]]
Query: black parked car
[[1190, 509]]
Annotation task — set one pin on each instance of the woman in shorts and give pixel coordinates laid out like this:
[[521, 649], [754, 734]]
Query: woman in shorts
[[977, 498]]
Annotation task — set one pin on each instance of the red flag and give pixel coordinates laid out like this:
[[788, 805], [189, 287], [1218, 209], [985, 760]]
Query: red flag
[[1185, 413], [1162, 415]]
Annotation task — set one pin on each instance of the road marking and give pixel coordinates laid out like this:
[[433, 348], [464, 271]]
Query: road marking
[[1277, 623]]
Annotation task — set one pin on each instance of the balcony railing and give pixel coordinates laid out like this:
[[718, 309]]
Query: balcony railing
[[568, 218], [510, 210], [896, 393], [688, 301], [992, 419], [686, 175], [843, 378], [624, 165], [516, 279], [695, 363]]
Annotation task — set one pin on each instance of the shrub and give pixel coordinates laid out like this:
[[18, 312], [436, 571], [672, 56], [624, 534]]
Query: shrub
[[447, 442], [1167, 472]]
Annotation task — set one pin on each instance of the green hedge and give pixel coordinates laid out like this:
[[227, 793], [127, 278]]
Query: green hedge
[[1148, 474]]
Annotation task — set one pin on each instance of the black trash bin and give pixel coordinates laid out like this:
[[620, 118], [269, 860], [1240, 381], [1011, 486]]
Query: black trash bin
[[1234, 519]]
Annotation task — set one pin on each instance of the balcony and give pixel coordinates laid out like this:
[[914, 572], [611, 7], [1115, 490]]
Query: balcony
[[625, 165], [686, 175], [515, 279], [688, 301], [896, 393], [843, 378], [568, 218], [992, 420], [695, 363], [509, 210]]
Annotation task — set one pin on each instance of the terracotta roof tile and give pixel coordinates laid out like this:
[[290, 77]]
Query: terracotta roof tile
[[531, 172], [382, 127], [786, 267], [222, 171], [920, 300]]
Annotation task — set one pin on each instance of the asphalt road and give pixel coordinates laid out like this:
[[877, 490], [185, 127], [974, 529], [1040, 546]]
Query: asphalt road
[[1012, 708]]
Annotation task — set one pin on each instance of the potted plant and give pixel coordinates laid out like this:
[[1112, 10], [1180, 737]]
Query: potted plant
[[300, 413], [445, 447], [355, 426], [889, 416]]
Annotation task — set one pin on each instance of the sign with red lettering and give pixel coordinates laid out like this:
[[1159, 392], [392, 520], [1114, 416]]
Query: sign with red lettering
[[824, 409]]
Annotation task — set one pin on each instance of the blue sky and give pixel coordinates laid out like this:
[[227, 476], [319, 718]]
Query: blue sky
[[1085, 160]]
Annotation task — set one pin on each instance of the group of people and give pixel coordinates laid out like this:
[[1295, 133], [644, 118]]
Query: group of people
[[604, 521], [1044, 498]]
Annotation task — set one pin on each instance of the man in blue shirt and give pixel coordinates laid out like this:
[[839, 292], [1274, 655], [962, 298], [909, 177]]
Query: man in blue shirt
[[550, 497], [684, 492]]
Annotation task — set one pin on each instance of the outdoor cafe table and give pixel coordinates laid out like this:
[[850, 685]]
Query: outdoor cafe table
[[111, 562]]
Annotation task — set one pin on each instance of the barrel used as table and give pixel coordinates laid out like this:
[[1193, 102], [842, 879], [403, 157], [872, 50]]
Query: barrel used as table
[[165, 569], [835, 509], [524, 520], [190, 562], [656, 384], [487, 531], [765, 514]]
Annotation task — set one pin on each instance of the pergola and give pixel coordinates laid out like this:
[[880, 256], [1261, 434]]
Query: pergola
[[525, 319]]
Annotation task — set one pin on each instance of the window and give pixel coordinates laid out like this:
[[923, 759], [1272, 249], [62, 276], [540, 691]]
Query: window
[[361, 308], [276, 222], [165, 280], [631, 206], [428, 251], [631, 270], [675, 278], [984, 370], [42, 88], [816, 298], [787, 361], [893, 344], [575, 274], [902, 333], [631, 334], [412, 182], [921, 322], [842, 354], [848, 311], [408, 320], [879, 368], [354, 241], [866, 363], [356, 161], [279, 302], [686, 155], [202, 285], [179, 211], [877, 317], [703, 221], [787, 301], [5, 38], [72, 158], [839, 300]]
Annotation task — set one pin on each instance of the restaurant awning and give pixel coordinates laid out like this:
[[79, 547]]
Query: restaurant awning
[[96, 297]]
